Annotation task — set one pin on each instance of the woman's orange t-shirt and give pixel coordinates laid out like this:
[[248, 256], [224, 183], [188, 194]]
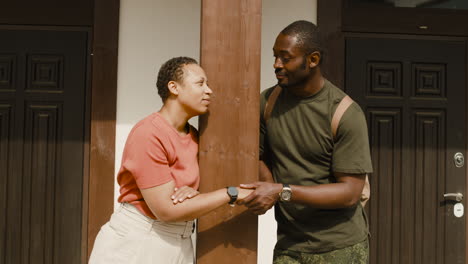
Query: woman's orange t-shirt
[[154, 154]]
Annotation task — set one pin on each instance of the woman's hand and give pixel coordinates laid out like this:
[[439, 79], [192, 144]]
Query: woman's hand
[[243, 193], [182, 193]]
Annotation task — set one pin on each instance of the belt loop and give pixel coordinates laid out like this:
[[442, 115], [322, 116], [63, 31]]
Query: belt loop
[[188, 230]]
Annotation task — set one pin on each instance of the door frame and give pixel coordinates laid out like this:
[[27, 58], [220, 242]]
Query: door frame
[[102, 109], [336, 24]]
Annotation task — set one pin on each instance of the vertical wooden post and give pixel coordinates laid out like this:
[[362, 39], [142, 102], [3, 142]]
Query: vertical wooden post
[[103, 115], [229, 134]]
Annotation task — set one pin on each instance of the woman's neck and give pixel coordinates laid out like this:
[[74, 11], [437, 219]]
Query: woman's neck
[[176, 117]]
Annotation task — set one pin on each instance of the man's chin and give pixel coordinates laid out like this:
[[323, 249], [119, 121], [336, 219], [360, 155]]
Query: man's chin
[[282, 84]]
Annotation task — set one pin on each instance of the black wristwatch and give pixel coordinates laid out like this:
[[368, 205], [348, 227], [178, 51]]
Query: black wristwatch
[[286, 193], [232, 192]]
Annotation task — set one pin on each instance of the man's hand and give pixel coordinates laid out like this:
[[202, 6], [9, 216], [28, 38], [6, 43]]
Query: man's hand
[[262, 198], [182, 193]]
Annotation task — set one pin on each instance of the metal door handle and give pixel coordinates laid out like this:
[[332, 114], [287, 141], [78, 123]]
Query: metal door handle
[[454, 196]]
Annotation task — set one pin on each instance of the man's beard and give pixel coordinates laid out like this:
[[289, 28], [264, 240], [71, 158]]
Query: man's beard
[[299, 82]]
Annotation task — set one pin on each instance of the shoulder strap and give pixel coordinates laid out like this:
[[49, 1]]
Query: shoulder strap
[[340, 110], [271, 103]]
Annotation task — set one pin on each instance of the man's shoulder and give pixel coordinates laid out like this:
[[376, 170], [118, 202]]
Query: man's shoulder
[[335, 93], [266, 93]]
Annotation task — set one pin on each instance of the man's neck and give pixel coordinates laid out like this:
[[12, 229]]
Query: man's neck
[[311, 87]]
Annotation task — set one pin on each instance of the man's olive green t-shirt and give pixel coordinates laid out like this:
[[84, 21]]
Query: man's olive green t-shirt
[[298, 146]]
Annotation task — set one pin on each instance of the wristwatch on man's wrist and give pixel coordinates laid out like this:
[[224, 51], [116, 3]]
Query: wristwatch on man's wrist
[[286, 193], [232, 192]]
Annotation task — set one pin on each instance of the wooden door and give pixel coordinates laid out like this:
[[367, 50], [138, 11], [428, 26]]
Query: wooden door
[[413, 92], [42, 105]]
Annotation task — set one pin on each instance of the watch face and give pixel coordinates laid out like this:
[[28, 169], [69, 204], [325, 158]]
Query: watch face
[[232, 191], [286, 195]]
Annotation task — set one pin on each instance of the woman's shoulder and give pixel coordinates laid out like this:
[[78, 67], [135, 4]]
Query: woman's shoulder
[[150, 126]]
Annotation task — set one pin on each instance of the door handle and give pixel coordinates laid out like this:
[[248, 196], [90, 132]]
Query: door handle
[[453, 196]]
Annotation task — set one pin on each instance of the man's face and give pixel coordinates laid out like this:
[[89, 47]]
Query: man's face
[[290, 65]]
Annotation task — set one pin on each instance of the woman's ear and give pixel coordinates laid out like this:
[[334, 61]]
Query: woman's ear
[[173, 87], [314, 59]]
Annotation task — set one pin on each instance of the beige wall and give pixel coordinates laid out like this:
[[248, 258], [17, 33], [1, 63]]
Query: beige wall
[[152, 31], [276, 14]]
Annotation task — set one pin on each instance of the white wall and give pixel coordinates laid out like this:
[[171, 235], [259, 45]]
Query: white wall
[[151, 32], [276, 15]]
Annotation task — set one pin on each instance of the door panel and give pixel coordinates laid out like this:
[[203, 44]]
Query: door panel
[[413, 93], [42, 105]]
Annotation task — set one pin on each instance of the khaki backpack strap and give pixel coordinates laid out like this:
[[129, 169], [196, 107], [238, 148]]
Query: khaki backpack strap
[[271, 103], [340, 110]]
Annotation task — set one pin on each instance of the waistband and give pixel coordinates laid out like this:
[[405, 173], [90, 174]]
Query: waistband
[[177, 229]]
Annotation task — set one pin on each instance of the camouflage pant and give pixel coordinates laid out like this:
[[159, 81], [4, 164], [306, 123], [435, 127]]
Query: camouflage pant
[[356, 254]]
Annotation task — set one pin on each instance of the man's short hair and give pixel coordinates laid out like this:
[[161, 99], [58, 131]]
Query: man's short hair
[[171, 70], [308, 37]]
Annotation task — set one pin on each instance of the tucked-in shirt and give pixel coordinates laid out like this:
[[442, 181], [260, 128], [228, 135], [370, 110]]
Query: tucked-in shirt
[[298, 146], [154, 154]]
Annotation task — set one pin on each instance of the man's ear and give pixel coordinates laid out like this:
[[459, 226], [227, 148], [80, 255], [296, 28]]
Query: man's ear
[[173, 87], [314, 59]]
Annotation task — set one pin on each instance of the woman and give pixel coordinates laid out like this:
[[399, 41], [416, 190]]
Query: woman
[[159, 177]]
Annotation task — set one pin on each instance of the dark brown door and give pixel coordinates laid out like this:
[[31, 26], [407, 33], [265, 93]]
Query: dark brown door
[[413, 93], [42, 105]]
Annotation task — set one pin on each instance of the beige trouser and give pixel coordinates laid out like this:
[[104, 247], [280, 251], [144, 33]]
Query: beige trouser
[[130, 237]]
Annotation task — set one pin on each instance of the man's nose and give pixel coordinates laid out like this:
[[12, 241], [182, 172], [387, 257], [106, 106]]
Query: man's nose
[[278, 64]]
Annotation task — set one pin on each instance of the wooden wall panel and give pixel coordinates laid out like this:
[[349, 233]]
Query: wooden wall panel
[[43, 205], [103, 17], [47, 12], [421, 21], [230, 55], [414, 108], [329, 14], [394, 240], [6, 126], [337, 20], [7, 72], [41, 171], [429, 182], [385, 125]]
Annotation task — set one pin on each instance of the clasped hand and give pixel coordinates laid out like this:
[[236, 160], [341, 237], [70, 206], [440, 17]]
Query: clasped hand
[[263, 197], [259, 197]]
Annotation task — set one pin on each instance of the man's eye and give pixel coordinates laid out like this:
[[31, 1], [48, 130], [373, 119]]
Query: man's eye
[[282, 59]]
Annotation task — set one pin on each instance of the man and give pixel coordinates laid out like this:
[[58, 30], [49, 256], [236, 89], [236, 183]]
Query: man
[[316, 179]]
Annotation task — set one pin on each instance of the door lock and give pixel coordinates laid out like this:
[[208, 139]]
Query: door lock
[[459, 159]]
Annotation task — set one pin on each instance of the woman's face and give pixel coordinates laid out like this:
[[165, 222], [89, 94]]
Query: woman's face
[[194, 93]]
